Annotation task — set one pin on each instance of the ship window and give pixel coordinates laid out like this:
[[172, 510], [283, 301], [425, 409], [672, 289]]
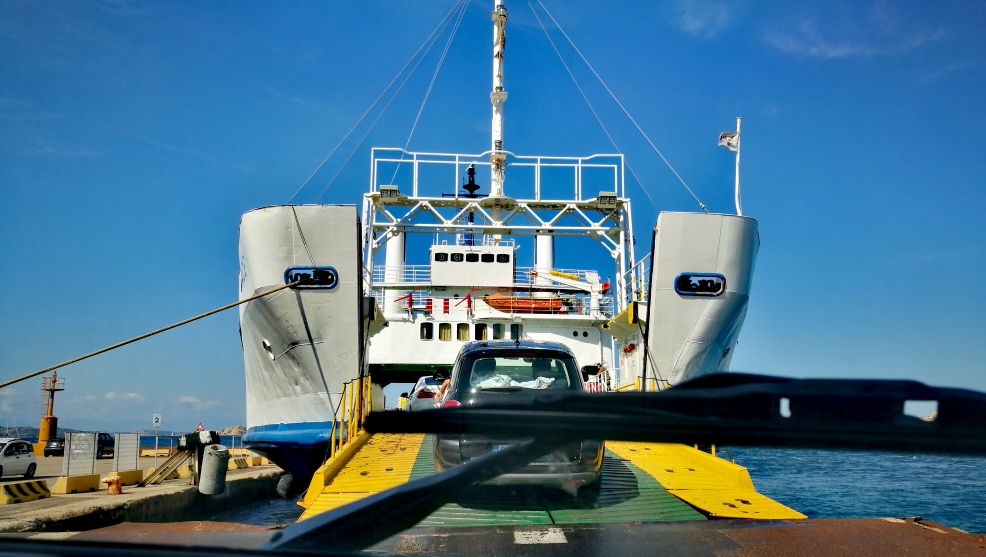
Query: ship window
[[444, 331], [462, 331], [480, 331], [497, 331], [503, 258], [700, 284], [427, 331], [515, 331], [441, 256], [457, 258], [472, 258], [488, 258]]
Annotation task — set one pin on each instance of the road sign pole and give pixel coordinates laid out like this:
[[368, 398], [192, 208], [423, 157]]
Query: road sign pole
[[155, 446]]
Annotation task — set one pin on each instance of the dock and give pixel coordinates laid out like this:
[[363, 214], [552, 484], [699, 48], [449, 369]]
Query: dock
[[165, 502]]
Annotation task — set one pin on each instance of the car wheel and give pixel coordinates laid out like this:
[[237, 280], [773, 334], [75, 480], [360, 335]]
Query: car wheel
[[30, 471]]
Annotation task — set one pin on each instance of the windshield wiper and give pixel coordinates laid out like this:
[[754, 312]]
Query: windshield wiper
[[729, 409]]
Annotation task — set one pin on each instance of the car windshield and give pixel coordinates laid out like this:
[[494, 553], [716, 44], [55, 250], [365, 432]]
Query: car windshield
[[284, 219], [538, 372]]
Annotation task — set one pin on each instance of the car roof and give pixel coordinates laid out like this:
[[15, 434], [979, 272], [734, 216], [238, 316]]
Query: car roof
[[522, 344]]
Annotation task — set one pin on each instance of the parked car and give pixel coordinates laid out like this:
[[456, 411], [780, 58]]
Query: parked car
[[17, 458], [424, 395], [55, 447], [488, 370], [105, 445]]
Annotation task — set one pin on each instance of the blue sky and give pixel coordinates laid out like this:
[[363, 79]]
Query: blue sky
[[134, 135]]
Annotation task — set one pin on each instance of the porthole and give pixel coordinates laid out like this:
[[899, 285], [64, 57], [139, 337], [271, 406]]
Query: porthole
[[585, 333], [575, 333]]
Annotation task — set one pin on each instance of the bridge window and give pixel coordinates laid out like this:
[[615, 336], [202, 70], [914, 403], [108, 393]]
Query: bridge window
[[441, 256], [503, 258], [480, 331], [488, 258], [444, 331], [472, 258], [462, 331], [497, 331], [515, 329], [457, 258], [427, 331]]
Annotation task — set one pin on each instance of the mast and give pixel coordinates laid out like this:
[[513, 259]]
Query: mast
[[497, 97]]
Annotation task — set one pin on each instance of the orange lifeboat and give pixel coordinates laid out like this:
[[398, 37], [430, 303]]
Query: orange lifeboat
[[523, 304]]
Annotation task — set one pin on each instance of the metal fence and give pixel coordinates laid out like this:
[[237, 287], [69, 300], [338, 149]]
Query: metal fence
[[126, 452], [80, 454]]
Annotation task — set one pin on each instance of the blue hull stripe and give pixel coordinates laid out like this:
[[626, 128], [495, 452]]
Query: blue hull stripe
[[306, 434]]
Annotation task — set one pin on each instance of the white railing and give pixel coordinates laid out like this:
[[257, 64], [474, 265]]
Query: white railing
[[424, 301], [387, 161], [402, 274], [637, 280]]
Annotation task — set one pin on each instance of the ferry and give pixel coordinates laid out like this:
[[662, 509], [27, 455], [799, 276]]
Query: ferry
[[454, 247]]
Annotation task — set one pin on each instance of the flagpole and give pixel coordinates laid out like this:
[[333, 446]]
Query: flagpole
[[739, 208]]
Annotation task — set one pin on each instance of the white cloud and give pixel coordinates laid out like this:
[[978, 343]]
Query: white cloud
[[196, 403], [703, 18], [852, 32], [127, 397]]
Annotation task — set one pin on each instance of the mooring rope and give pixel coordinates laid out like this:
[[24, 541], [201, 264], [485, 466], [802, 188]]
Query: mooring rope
[[150, 334]]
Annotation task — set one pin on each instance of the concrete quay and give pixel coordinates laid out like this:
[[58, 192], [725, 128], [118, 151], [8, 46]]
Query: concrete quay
[[171, 501]]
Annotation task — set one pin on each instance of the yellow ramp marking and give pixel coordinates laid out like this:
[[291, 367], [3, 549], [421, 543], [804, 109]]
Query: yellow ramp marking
[[383, 462], [713, 485]]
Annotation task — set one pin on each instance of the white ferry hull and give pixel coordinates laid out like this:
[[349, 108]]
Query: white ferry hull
[[299, 345]]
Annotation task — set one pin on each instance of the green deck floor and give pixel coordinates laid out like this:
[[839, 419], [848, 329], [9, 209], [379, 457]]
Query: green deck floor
[[625, 494]]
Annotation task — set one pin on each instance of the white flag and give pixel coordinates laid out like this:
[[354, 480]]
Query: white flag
[[729, 140]]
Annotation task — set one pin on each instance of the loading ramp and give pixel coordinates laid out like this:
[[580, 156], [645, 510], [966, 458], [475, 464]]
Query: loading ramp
[[641, 482]]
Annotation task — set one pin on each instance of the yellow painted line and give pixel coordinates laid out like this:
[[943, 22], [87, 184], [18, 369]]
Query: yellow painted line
[[720, 488], [382, 462]]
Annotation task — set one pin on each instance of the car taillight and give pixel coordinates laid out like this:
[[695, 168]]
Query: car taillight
[[62, 444], [451, 404], [426, 394]]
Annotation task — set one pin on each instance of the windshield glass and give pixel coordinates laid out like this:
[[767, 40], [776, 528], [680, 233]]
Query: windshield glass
[[528, 373]]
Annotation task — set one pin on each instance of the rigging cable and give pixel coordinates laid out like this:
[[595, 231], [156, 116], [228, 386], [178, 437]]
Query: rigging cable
[[611, 94], [441, 24], [152, 333], [401, 86], [591, 108], [434, 77]]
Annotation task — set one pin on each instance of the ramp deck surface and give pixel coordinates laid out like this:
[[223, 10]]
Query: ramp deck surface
[[640, 482]]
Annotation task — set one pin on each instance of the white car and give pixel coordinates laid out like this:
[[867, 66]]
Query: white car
[[17, 459], [424, 395]]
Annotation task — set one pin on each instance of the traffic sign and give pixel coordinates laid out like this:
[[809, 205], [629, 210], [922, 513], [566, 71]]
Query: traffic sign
[[156, 420]]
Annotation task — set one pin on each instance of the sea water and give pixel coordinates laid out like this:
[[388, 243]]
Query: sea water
[[854, 484]]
